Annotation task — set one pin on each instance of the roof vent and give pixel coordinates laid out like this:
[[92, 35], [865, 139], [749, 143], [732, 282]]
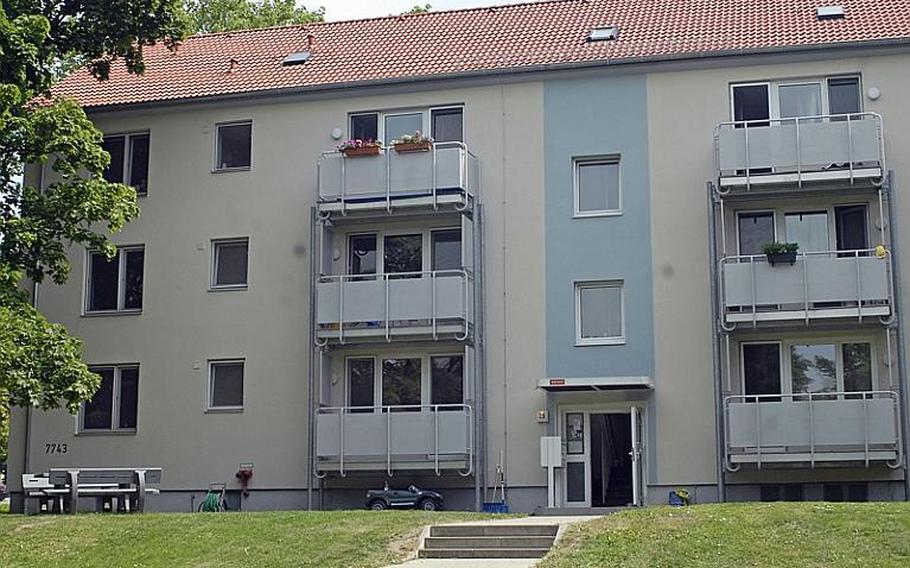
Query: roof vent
[[296, 58], [829, 12], [604, 33]]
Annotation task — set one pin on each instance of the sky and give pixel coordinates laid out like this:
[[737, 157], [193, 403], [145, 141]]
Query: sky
[[354, 9]]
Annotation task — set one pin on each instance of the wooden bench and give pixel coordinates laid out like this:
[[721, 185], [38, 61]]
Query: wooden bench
[[127, 486]]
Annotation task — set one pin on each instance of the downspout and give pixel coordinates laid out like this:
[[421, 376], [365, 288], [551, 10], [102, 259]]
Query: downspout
[[27, 454], [311, 377], [901, 334], [479, 430], [715, 347]]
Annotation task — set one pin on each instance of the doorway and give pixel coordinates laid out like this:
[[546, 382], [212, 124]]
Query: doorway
[[602, 458]]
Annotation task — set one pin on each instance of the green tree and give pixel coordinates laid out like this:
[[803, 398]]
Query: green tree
[[418, 9], [208, 16], [40, 364]]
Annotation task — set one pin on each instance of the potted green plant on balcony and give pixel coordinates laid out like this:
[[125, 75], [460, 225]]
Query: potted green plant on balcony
[[416, 142], [359, 147], [780, 253]]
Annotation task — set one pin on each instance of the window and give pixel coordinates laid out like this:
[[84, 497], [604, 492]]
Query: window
[[365, 126], [129, 160], [597, 189], [800, 100], [397, 125], [844, 95], [447, 380], [759, 102], [446, 249], [761, 370], [447, 124], [230, 260], [225, 385], [808, 229], [115, 285], [599, 313], [754, 230], [114, 406], [234, 145], [750, 103], [362, 254], [403, 253], [361, 372], [401, 383], [813, 368], [850, 228]]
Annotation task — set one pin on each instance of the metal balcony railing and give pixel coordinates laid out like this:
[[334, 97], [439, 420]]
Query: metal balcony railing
[[829, 284], [432, 436], [445, 174], [431, 302], [812, 428], [799, 150]]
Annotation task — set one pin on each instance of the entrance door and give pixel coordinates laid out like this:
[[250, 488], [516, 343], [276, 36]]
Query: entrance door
[[602, 458]]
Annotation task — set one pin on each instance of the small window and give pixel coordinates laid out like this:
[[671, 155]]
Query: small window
[[234, 146], [599, 313], [446, 249], [114, 406], [597, 190], [844, 95], [447, 381], [115, 285], [230, 260], [447, 125], [401, 384], [365, 126], [362, 254], [129, 160], [225, 385]]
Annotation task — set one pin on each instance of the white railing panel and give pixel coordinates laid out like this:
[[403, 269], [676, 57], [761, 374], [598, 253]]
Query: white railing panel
[[814, 278]]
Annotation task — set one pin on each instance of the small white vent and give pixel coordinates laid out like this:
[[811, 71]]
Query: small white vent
[[829, 12], [604, 33], [296, 58]]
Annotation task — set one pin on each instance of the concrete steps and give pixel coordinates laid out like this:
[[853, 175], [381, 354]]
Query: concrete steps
[[488, 541]]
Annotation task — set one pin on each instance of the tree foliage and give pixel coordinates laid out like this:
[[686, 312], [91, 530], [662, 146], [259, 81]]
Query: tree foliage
[[208, 16], [419, 9], [40, 364]]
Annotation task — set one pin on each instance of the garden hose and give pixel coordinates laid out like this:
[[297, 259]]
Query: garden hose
[[212, 503]]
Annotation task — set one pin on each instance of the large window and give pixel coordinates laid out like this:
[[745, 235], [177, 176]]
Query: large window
[[758, 102], [234, 144], [129, 160], [403, 254], [597, 187], [401, 383], [819, 367], [230, 261], [361, 381], [115, 285], [599, 313], [808, 229], [114, 406], [443, 124], [754, 230], [446, 249], [226, 385], [447, 380]]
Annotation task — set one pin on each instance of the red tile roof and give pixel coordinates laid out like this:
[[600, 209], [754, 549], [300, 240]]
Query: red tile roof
[[482, 40]]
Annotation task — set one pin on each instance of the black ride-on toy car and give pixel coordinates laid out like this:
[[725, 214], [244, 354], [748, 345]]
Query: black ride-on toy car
[[410, 498]]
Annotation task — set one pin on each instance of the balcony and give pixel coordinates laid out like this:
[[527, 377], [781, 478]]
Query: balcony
[[447, 175], [791, 152], [819, 285], [413, 305], [813, 429], [389, 438]]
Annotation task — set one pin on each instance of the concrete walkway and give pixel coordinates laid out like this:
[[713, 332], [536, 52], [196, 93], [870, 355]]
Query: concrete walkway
[[490, 562]]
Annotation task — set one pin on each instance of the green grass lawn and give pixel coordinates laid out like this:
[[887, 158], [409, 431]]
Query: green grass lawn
[[779, 535], [323, 539]]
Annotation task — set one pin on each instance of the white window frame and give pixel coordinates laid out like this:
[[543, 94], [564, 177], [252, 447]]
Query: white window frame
[[215, 244], [786, 371], [121, 283], [600, 283], [774, 95], [426, 246], [216, 168], [772, 212], [210, 396], [577, 164], [426, 378], [115, 402], [426, 119], [128, 157]]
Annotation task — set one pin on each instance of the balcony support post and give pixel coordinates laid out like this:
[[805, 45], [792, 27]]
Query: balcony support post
[[806, 286], [799, 157], [811, 432], [850, 147], [897, 311], [859, 288], [720, 420]]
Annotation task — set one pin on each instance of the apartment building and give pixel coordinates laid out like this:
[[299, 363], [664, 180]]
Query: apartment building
[[578, 254]]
